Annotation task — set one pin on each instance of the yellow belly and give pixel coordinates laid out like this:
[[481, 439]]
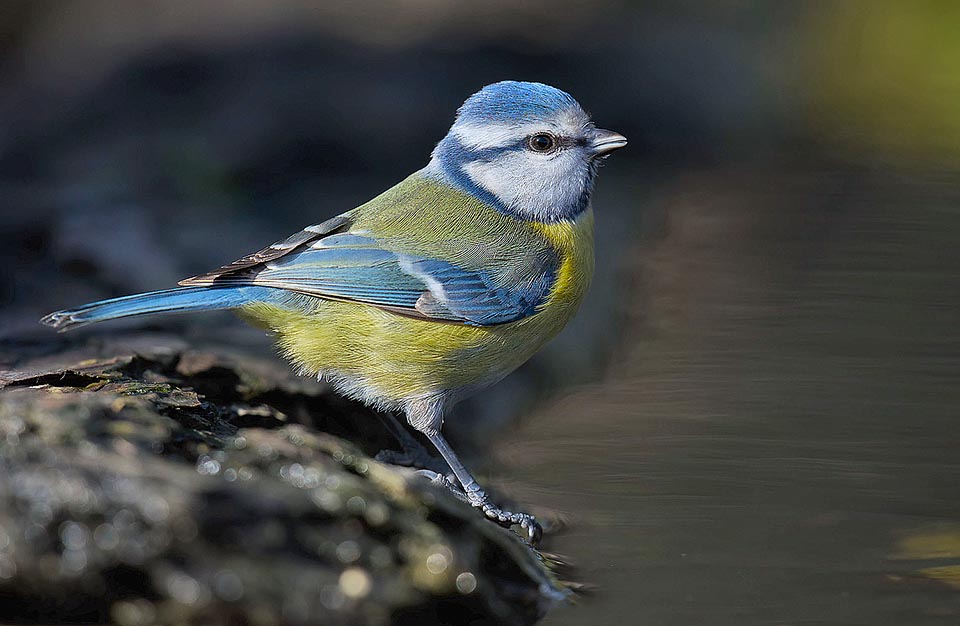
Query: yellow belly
[[385, 358]]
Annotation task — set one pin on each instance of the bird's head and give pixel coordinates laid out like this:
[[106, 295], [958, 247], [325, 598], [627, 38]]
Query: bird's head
[[528, 149]]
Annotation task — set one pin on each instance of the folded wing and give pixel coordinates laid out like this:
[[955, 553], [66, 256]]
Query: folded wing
[[324, 262]]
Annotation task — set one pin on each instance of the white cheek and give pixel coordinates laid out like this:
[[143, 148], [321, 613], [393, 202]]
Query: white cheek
[[531, 184]]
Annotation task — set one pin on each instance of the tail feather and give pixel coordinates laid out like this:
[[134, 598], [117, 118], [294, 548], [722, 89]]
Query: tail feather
[[167, 301]]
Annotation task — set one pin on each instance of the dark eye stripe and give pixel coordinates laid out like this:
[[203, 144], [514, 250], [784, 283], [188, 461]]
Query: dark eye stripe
[[557, 142]]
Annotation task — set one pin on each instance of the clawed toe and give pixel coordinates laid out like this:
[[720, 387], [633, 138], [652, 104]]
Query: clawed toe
[[508, 519], [534, 531]]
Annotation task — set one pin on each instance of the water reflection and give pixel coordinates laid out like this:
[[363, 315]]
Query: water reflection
[[776, 443]]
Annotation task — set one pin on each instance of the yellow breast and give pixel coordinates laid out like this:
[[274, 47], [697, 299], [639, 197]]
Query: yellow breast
[[385, 359], [574, 243]]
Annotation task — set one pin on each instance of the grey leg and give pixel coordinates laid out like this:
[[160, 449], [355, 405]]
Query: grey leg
[[477, 497], [412, 453]]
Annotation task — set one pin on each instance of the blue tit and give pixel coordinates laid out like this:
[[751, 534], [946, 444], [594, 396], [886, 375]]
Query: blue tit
[[438, 287]]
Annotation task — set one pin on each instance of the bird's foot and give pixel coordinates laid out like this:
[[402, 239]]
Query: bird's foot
[[507, 519], [478, 498]]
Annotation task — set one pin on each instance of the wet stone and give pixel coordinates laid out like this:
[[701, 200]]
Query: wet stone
[[195, 487]]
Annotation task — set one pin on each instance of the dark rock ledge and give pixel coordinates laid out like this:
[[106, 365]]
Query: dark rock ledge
[[146, 482]]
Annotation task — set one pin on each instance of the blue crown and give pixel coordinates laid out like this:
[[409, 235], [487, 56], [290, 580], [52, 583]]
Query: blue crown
[[513, 101]]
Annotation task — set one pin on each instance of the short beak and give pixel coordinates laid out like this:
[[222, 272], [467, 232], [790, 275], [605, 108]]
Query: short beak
[[604, 142]]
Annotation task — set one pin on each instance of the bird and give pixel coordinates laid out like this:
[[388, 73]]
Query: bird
[[438, 287]]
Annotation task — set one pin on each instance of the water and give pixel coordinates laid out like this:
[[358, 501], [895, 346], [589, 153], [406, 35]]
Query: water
[[776, 442]]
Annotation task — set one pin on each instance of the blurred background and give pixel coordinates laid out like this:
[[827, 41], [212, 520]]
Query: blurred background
[[753, 419]]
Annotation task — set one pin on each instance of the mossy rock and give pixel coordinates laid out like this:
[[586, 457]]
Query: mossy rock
[[159, 486]]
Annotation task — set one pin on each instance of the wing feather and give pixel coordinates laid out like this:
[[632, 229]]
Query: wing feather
[[325, 262], [271, 252]]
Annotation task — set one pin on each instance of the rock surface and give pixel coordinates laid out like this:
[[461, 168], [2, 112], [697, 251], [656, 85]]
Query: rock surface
[[147, 484]]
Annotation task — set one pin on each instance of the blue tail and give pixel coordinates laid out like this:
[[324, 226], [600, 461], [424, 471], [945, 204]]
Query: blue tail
[[167, 301]]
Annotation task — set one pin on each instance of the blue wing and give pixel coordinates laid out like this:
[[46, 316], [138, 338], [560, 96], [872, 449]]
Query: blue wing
[[347, 266]]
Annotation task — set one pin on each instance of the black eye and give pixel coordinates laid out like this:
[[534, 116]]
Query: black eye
[[541, 142]]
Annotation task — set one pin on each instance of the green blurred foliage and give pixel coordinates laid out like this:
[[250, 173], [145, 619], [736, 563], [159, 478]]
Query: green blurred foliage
[[885, 76]]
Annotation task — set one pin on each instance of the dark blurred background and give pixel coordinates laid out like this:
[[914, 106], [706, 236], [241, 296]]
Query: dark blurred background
[[753, 419]]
